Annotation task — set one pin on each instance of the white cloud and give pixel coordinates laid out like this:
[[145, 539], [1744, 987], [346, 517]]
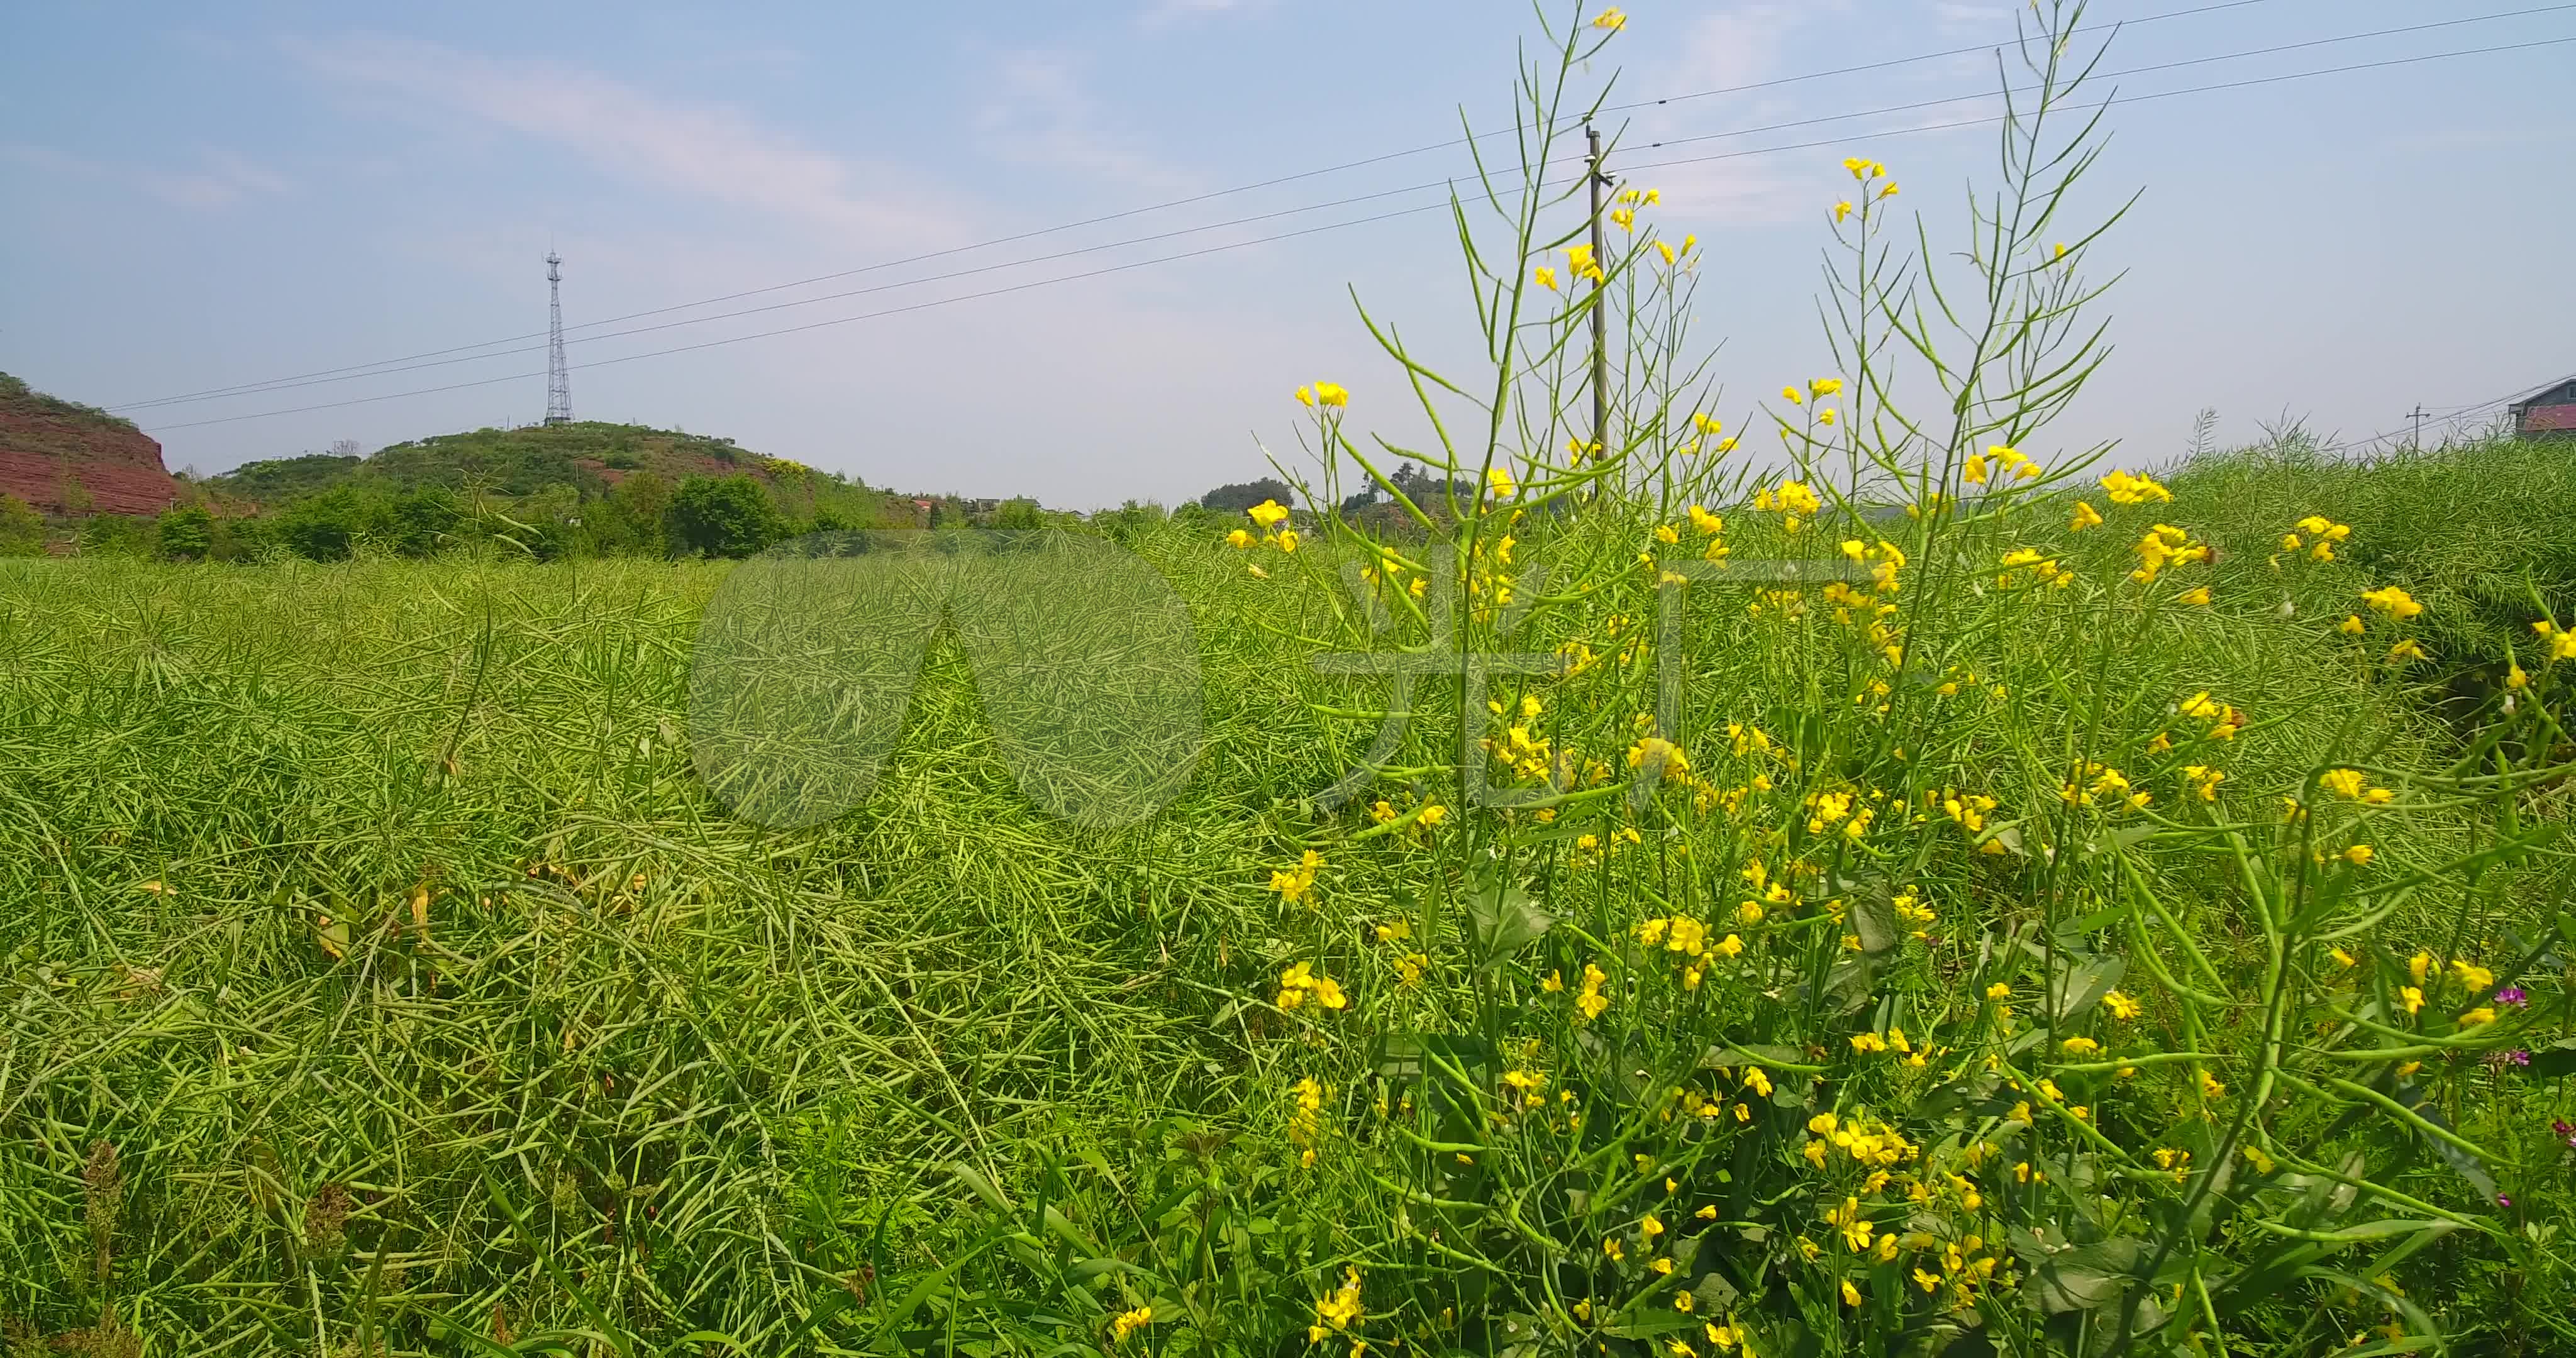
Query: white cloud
[[1730, 51], [1164, 13], [1038, 113], [220, 178], [706, 150]]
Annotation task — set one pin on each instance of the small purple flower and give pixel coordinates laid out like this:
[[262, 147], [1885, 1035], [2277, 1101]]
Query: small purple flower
[[2518, 1057], [2503, 1201], [2560, 1127], [2512, 995]]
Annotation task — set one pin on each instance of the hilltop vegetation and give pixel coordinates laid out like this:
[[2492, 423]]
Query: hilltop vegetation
[[589, 489], [589, 456], [17, 397]]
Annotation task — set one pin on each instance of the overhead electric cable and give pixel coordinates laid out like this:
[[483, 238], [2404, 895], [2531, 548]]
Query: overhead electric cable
[[1385, 216], [361, 368], [389, 368]]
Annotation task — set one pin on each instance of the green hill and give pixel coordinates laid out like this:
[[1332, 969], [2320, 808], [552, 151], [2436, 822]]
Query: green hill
[[589, 456]]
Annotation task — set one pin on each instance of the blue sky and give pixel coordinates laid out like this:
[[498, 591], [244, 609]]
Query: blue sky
[[201, 197]]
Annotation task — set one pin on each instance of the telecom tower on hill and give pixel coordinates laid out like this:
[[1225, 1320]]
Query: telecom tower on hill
[[558, 375]]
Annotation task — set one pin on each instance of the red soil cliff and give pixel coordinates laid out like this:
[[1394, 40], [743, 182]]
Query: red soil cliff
[[65, 458]]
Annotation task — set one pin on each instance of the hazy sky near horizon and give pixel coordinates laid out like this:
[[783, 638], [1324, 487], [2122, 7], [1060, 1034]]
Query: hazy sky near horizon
[[201, 198]]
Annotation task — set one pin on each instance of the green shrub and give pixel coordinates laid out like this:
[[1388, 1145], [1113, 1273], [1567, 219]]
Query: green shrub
[[723, 516], [22, 530], [184, 533]]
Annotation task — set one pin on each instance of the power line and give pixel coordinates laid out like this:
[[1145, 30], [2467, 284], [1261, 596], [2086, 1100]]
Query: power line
[[2132, 99], [952, 275], [360, 368], [2145, 70], [1363, 221], [391, 367]]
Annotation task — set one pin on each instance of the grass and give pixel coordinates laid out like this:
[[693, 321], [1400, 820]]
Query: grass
[[377, 919], [623, 1003]]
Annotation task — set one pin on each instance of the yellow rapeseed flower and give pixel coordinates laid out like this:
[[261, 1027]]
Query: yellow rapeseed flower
[[1544, 276], [2126, 489], [1611, 19], [2392, 601], [2086, 516]]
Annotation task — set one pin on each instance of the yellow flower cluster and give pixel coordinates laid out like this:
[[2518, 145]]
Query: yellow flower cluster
[[1299, 984], [1791, 500], [2043, 567], [2224, 720], [1872, 1145], [2394, 603], [2126, 489], [1324, 394], [2353, 786], [1129, 1322], [2322, 535], [1297, 883], [2165, 545], [1305, 1124], [1997, 458], [1590, 1002], [1579, 261], [1969, 810], [2094, 780], [1267, 516], [1866, 171], [1337, 1311]]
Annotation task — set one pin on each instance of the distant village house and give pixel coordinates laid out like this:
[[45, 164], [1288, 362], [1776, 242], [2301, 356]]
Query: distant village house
[[2547, 413]]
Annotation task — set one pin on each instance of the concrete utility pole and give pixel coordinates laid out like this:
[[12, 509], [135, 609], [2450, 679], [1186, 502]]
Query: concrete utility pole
[[1600, 304], [2418, 417]]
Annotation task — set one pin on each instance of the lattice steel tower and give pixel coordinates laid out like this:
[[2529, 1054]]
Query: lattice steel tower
[[558, 375]]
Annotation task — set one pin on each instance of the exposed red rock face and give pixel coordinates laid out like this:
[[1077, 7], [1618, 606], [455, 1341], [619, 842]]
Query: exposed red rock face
[[54, 455]]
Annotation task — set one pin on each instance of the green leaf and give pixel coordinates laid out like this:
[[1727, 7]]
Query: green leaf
[[2412, 1097], [2079, 1277], [1875, 921], [1651, 1320], [2082, 985], [2558, 1058], [1502, 919], [1767, 1054]]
